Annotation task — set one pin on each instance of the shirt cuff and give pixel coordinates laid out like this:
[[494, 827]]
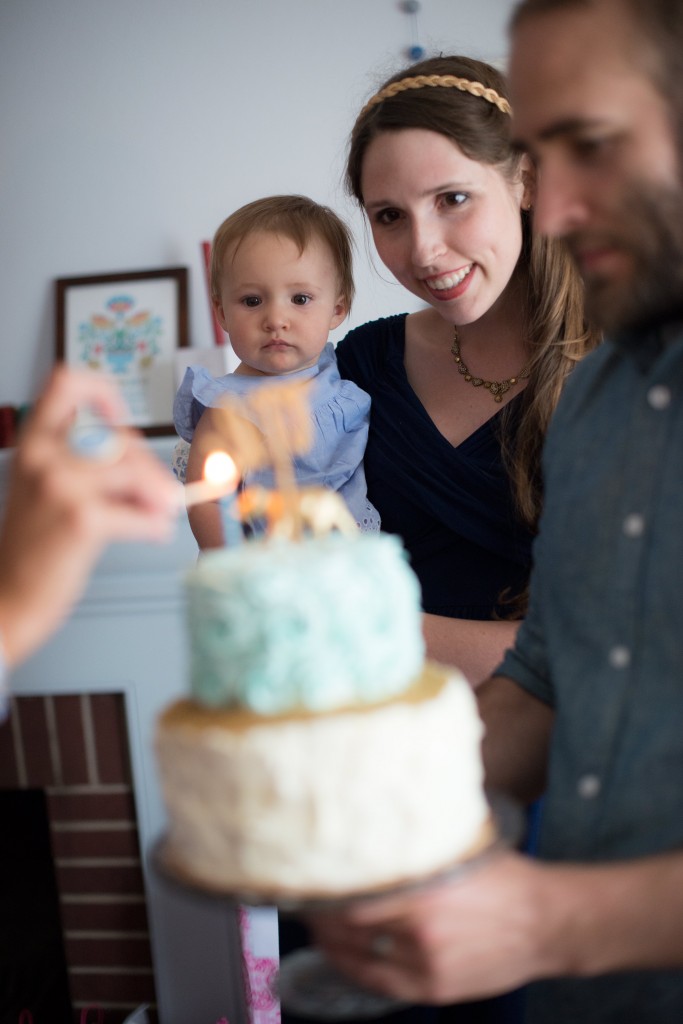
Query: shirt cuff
[[516, 668]]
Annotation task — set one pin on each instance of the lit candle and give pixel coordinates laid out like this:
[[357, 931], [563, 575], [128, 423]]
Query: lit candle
[[219, 468], [220, 479]]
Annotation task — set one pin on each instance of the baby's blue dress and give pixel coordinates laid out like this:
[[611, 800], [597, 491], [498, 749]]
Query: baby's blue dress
[[340, 414]]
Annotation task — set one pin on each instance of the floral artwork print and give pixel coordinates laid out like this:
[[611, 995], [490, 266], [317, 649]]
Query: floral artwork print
[[121, 339], [128, 327]]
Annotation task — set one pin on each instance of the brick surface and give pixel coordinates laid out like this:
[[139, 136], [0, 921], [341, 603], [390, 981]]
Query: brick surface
[[125, 954], [111, 737], [31, 711], [69, 719], [100, 843], [107, 916], [96, 987], [77, 806], [107, 878], [108, 952]]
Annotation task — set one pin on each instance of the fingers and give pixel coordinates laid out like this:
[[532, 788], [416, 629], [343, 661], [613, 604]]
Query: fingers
[[384, 938], [138, 476], [386, 961], [126, 522], [63, 508], [467, 938], [68, 390], [45, 434], [384, 976], [130, 477]]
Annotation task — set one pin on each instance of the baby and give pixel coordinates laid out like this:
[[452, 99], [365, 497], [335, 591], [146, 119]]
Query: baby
[[281, 280]]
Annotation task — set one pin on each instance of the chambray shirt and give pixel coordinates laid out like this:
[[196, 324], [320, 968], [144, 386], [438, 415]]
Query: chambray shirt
[[603, 640]]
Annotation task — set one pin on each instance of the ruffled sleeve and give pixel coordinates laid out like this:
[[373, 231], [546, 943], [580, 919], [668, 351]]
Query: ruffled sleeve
[[198, 391], [340, 413]]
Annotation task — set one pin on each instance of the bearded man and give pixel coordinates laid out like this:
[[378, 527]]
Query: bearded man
[[588, 706]]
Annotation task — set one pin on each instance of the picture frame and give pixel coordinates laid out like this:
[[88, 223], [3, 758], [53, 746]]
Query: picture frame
[[128, 325]]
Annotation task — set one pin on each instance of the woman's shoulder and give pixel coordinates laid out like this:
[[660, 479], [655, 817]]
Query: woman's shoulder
[[385, 327], [365, 348]]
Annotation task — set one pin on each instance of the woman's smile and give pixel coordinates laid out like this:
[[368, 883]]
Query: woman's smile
[[447, 227], [450, 285]]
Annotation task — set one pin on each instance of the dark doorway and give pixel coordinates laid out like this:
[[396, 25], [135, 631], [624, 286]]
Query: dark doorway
[[32, 962]]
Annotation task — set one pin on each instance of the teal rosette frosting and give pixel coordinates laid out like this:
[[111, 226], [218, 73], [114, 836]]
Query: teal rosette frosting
[[320, 624]]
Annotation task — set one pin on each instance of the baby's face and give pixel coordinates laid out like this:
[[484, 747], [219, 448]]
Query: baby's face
[[278, 304]]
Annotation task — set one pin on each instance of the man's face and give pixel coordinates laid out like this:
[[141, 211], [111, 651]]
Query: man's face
[[608, 168]]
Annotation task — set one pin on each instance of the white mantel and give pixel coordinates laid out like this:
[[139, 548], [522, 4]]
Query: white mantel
[[127, 635]]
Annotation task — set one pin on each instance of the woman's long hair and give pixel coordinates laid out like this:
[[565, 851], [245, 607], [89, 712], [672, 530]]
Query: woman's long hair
[[557, 334]]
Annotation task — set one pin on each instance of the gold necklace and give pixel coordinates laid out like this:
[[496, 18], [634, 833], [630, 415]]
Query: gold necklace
[[497, 388]]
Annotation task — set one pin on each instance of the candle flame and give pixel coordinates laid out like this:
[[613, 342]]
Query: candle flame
[[220, 469]]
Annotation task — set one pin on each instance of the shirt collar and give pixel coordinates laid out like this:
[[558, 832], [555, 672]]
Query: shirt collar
[[646, 344]]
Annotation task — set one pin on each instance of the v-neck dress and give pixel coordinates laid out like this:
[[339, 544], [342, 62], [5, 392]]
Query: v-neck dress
[[452, 505]]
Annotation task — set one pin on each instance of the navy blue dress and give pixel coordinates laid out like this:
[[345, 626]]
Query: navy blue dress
[[452, 506], [454, 510]]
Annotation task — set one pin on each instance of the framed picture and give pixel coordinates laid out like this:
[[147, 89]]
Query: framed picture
[[128, 326]]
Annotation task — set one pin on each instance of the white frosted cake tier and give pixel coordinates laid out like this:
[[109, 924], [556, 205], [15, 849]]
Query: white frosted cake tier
[[316, 805]]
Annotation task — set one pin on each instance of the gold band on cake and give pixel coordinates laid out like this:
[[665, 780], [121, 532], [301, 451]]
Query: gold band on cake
[[275, 809]]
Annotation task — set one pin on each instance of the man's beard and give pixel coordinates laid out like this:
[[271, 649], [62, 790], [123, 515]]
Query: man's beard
[[651, 233]]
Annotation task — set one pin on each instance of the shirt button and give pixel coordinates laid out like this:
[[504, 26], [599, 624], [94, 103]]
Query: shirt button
[[634, 525], [659, 396], [620, 657], [588, 787]]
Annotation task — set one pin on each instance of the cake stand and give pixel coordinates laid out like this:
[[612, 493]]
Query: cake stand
[[308, 985]]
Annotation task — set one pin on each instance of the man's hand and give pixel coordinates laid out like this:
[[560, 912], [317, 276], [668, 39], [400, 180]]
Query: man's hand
[[473, 936]]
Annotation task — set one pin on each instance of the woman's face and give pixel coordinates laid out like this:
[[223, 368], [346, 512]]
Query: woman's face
[[448, 228]]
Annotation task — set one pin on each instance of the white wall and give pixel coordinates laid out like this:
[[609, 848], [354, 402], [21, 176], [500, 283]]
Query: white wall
[[129, 129]]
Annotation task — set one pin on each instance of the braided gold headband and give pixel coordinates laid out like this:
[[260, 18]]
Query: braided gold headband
[[447, 81]]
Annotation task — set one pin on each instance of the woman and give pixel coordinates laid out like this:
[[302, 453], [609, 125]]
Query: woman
[[462, 391]]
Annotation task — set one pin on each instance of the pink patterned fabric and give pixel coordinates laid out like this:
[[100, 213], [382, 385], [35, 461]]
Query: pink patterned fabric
[[260, 963]]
